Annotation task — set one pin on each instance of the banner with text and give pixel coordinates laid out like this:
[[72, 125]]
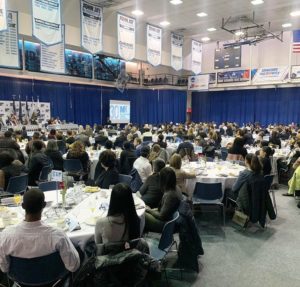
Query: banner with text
[[154, 45], [198, 83], [269, 75], [126, 37], [91, 27], [176, 52], [46, 21], [9, 49], [196, 57], [53, 57], [234, 76], [3, 18], [295, 73]]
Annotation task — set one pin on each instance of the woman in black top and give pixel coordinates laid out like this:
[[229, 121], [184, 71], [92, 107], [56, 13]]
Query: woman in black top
[[238, 147], [127, 158], [151, 190], [53, 153], [109, 174], [77, 151], [264, 157]]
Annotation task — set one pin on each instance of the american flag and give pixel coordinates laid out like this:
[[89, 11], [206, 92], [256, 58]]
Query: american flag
[[296, 41]]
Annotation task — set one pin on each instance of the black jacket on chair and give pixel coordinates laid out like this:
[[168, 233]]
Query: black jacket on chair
[[36, 162], [57, 159], [107, 178]]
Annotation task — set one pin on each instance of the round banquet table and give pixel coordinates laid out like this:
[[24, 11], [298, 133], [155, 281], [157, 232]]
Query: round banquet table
[[221, 172], [86, 208]]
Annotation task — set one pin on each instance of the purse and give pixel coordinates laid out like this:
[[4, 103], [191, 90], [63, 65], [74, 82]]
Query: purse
[[240, 218]]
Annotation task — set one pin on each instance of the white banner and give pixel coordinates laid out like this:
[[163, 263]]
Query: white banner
[[196, 57], [3, 19], [176, 52], [270, 75], [91, 27], [154, 45], [198, 83], [9, 49], [295, 72], [53, 57], [46, 21], [126, 37]]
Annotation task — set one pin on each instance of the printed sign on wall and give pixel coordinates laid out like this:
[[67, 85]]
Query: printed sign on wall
[[46, 21], [91, 27], [126, 37]]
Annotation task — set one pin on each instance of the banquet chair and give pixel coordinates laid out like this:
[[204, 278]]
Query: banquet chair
[[160, 248], [123, 178], [16, 185], [45, 270], [224, 153], [74, 168], [269, 180], [48, 186], [44, 174], [147, 139], [209, 194]]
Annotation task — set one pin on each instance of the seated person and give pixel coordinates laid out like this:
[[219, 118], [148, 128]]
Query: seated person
[[9, 167], [120, 140], [108, 145], [275, 139], [151, 189], [122, 222], [154, 153], [181, 175], [294, 182], [70, 138], [160, 141], [62, 147], [264, 157], [186, 146], [237, 151], [36, 137], [32, 238], [54, 155], [253, 167], [155, 219], [77, 151], [108, 175], [8, 143], [127, 158], [52, 135], [142, 164], [37, 160]]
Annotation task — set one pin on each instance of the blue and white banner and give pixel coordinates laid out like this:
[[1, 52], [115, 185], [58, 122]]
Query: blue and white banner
[[198, 83], [176, 52], [46, 21], [9, 49], [154, 45], [91, 27], [53, 57], [196, 66], [270, 75], [3, 18], [126, 37]]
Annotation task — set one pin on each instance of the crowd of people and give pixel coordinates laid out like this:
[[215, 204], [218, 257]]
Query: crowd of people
[[145, 156]]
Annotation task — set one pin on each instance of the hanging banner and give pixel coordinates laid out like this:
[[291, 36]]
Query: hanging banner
[[154, 45], [176, 52], [53, 57], [269, 75], [46, 21], [198, 83], [196, 57], [3, 19], [91, 27], [9, 49], [126, 37]]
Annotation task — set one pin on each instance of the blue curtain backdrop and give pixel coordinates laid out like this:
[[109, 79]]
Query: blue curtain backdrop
[[281, 105], [87, 104]]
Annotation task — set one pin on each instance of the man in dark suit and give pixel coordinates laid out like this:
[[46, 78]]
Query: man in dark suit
[[120, 140]]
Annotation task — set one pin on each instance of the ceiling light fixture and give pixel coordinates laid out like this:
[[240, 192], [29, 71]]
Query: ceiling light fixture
[[202, 14], [176, 2], [211, 29], [257, 2], [164, 23], [239, 33], [286, 25], [295, 13], [205, 39], [137, 12]]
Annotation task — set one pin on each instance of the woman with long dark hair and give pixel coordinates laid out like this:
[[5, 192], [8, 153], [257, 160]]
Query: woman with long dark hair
[[156, 218], [122, 222]]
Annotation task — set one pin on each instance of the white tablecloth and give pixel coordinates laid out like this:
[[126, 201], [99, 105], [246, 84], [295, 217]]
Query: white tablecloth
[[86, 211], [223, 172]]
